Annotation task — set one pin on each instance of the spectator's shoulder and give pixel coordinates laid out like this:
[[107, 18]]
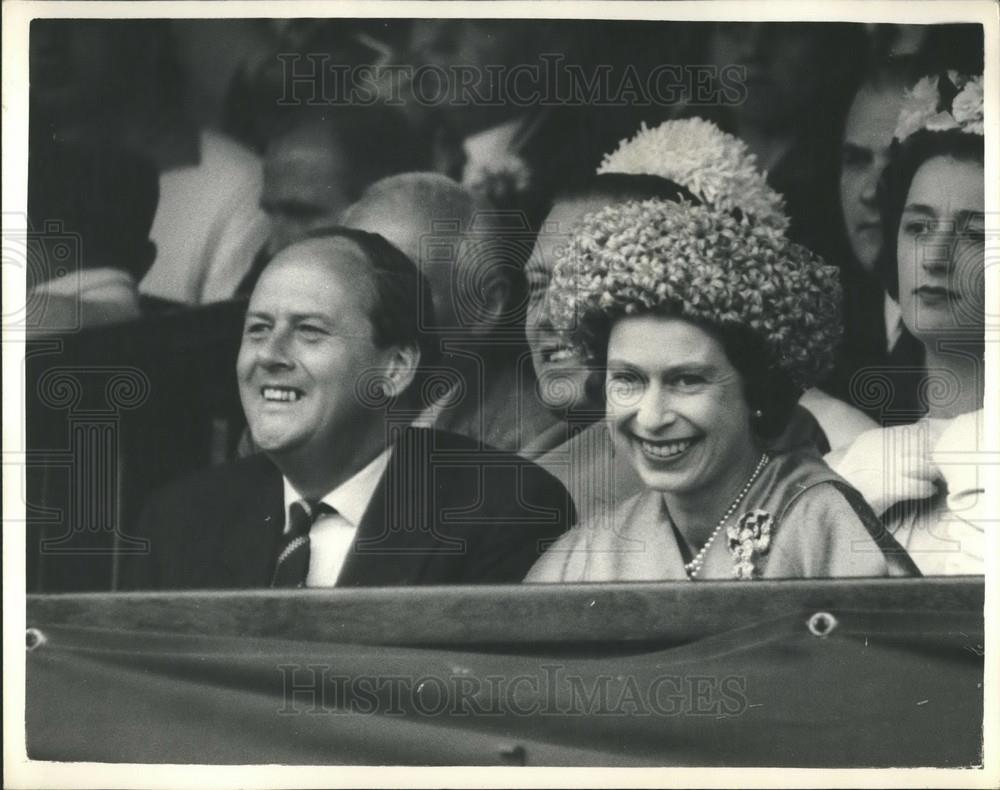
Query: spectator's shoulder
[[841, 422], [216, 482], [543, 486], [447, 442]]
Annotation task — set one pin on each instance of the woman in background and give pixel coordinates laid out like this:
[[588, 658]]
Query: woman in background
[[929, 495]]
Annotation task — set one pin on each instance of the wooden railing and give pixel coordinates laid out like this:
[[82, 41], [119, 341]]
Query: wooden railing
[[465, 616]]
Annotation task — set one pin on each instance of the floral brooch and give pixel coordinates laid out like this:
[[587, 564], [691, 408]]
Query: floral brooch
[[749, 537]]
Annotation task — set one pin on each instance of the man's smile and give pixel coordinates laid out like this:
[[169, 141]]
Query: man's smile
[[281, 394]]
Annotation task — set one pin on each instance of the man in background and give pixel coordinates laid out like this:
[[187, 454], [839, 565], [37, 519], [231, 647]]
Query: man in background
[[472, 258], [319, 161]]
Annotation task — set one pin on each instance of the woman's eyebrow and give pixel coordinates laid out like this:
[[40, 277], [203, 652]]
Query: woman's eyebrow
[[919, 208], [681, 367], [690, 367]]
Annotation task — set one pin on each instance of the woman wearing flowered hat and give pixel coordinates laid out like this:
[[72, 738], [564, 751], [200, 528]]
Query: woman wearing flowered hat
[[690, 158], [708, 324], [923, 478], [683, 159]]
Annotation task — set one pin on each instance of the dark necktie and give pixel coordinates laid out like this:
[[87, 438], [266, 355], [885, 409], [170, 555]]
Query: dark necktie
[[292, 565]]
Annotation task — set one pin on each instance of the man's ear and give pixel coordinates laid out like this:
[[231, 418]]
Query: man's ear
[[401, 369]]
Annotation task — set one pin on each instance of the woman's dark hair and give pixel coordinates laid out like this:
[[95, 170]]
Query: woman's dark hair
[[905, 159], [766, 386]]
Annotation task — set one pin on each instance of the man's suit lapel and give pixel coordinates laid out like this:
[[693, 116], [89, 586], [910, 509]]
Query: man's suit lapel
[[250, 538], [392, 541]]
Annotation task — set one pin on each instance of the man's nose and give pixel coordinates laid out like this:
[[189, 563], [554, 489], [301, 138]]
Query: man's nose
[[937, 251], [273, 351], [869, 186]]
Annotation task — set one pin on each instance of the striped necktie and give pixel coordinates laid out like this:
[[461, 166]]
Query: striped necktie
[[292, 565]]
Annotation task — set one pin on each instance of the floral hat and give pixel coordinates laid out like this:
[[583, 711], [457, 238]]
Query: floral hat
[[715, 167], [702, 263], [942, 102]]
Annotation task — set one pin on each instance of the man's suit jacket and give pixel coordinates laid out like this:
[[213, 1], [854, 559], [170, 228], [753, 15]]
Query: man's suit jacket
[[447, 510]]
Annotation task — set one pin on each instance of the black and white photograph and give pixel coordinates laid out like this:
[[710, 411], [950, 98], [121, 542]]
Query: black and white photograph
[[395, 388]]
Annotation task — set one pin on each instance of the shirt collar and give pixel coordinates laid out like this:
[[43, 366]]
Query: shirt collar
[[893, 321], [350, 499]]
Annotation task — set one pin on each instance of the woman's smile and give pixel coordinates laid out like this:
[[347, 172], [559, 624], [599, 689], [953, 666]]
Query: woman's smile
[[664, 450]]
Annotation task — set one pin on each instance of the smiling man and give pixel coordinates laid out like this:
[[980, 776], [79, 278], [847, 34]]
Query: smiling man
[[346, 492]]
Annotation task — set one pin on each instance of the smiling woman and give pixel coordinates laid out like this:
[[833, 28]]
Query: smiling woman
[[709, 325]]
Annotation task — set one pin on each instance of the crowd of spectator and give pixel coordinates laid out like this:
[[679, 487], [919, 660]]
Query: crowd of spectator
[[184, 194]]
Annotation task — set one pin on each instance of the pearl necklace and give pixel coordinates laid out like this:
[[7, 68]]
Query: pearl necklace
[[692, 568]]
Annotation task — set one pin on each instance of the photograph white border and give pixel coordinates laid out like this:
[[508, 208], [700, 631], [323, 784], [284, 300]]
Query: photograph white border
[[19, 772]]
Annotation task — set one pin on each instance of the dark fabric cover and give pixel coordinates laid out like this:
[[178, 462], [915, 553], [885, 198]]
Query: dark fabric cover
[[881, 688]]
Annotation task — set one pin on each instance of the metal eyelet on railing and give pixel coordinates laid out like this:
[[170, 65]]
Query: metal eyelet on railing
[[33, 639], [821, 624]]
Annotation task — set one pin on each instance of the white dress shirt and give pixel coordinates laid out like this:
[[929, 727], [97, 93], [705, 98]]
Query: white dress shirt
[[893, 322], [332, 535]]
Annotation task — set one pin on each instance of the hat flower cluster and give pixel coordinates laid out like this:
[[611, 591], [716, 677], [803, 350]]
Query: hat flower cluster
[[704, 264], [716, 167], [926, 105]]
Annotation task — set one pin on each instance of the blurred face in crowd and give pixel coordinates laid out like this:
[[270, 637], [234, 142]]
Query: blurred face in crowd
[[940, 250], [677, 407], [460, 42], [307, 343], [428, 216], [464, 44], [305, 184], [784, 66], [864, 155], [408, 226], [562, 375]]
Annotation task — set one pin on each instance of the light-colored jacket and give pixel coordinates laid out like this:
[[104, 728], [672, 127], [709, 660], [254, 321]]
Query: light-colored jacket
[[822, 529]]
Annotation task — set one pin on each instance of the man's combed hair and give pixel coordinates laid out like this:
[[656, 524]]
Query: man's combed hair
[[402, 305]]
